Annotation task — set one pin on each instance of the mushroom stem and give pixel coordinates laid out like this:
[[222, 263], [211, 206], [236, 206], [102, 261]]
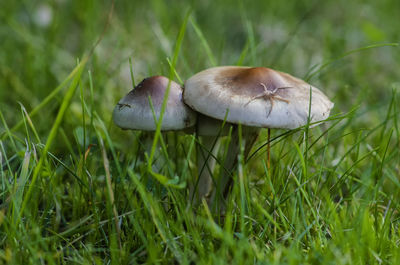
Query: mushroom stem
[[224, 184], [206, 151], [221, 190], [208, 130]]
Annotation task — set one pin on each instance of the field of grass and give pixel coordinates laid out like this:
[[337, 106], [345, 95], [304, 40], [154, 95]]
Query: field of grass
[[76, 189]]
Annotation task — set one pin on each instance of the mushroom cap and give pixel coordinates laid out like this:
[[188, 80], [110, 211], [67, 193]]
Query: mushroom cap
[[255, 96], [134, 111]]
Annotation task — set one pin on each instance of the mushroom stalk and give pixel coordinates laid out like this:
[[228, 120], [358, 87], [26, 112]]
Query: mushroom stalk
[[218, 196], [208, 131], [206, 151], [221, 192]]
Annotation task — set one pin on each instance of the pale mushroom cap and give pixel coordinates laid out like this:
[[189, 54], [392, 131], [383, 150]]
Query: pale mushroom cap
[[134, 111], [238, 93]]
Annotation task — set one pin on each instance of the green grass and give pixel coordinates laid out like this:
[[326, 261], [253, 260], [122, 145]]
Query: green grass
[[75, 189]]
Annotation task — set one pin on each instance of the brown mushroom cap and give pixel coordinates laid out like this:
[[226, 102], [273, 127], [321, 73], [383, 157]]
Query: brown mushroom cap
[[257, 96], [134, 111]]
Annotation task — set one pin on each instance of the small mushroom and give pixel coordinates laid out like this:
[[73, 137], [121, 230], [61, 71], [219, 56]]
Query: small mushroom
[[254, 97], [135, 112]]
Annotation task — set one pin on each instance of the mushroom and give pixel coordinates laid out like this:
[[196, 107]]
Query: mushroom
[[254, 97], [135, 112]]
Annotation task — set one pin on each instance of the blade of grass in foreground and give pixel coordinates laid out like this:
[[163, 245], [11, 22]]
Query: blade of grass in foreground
[[50, 96], [157, 216], [7, 132], [176, 74], [76, 73], [19, 189], [157, 134], [112, 205]]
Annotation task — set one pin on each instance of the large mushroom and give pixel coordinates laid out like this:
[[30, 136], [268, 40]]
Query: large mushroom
[[254, 97]]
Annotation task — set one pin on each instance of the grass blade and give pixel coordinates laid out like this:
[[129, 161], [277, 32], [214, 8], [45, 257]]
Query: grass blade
[[53, 132]]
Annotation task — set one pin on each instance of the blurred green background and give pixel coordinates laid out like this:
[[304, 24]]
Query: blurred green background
[[41, 41]]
